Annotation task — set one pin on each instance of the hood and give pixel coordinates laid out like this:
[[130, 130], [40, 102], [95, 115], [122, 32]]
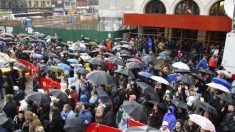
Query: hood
[[172, 109], [83, 98], [87, 65]]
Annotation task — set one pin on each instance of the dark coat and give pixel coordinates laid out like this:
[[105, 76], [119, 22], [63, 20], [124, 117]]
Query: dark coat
[[56, 125], [109, 118], [21, 83], [18, 97], [156, 119], [10, 109]]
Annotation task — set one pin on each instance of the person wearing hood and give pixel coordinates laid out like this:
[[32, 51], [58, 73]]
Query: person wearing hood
[[88, 67], [33, 120], [170, 117], [85, 114]]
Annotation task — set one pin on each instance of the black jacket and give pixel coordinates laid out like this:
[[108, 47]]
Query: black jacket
[[10, 109]]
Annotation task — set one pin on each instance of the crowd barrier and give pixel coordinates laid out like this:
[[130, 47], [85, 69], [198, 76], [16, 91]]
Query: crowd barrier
[[132, 123], [94, 127]]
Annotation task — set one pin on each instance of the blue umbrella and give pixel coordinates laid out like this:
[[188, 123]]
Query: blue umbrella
[[64, 66], [38, 56], [171, 77], [145, 74], [74, 61], [222, 82]]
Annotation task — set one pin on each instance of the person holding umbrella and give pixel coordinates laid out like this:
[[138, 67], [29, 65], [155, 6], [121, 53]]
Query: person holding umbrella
[[170, 118]]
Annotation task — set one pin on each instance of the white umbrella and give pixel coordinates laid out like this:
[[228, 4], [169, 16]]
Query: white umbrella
[[226, 73], [160, 79], [218, 86], [181, 65], [85, 57], [203, 122]]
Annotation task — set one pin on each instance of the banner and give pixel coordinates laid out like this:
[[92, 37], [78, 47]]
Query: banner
[[48, 83], [101, 128], [134, 123], [33, 70]]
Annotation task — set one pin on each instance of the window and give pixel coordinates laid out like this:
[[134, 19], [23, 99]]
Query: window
[[30, 4], [187, 7], [217, 9], [155, 7]]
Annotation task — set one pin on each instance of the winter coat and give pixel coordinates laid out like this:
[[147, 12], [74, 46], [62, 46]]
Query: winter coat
[[56, 125], [67, 115], [10, 109], [99, 113], [85, 116], [74, 96], [156, 119], [88, 67], [203, 64], [34, 123], [170, 118], [109, 118], [213, 62], [18, 97]]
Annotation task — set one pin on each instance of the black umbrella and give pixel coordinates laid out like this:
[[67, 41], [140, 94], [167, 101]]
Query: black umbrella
[[149, 90], [133, 65], [56, 60], [135, 110], [180, 104], [229, 98], [116, 60], [181, 71], [165, 53], [142, 129], [100, 77], [125, 53], [103, 95], [148, 58], [59, 94], [74, 125], [3, 118], [97, 61], [206, 71], [125, 72], [39, 98], [166, 58], [185, 78], [52, 55], [108, 54], [198, 77], [205, 106], [81, 71]]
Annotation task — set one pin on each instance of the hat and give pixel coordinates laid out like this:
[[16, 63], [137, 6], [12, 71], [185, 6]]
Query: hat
[[16, 88], [132, 97], [165, 123]]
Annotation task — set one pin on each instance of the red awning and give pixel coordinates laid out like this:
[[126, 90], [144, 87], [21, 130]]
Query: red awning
[[195, 22]]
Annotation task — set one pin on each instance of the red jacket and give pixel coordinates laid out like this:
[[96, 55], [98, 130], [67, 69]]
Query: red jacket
[[212, 62], [74, 97]]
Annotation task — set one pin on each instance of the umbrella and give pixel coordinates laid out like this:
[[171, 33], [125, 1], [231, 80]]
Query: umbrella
[[134, 60], [125, 72], [59, 94], [222, 82], [52, 55], [100, 77], [74, 61], [81, 71], [127, 46], [203, 122], [229, 98], [116, 60], [180, 104], [171, 77], [141, 129], [125, 53], [64, 66], [149, 90], [116, 47], [3, 118], [39, 98], [147, 58], [166, 58], [74, 125], [56, 60], [160, 79], [205, 106], [185, 78], [38, 56], [55, 69], [103, 95], [218, 86], [108, 54], [181, 71], [133, 65], [85, 57], [181, 65], [79, 44], [145, 74], [97, 61], [165, 53], [226, 73], [135, 110], [198, 77], [27, 51], [206, 71]]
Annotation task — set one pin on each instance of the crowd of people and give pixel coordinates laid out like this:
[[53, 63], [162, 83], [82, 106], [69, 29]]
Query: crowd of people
[[112, 82]]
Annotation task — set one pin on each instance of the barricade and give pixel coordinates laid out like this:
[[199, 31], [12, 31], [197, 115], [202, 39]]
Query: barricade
[[48, 83], [132, 123], [94, 127]]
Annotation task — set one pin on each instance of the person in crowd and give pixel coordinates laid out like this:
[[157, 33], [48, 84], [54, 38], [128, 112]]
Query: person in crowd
[[19, 120], [94, 98], [18, 95], [179, 126], [21, 81], [67, 112], [99, 112], [164, 127], [203, 63], [155, 117], [213, 62], [85, 114], [1, 85], [122, 125], [170, 117], [74, 96], [10, 107], [33, 121], [56, 123]]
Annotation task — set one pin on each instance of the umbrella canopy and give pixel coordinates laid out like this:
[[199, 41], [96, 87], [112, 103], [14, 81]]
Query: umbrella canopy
[[165, 53], [38, 56], [226, 73], [181, 65], [125, 53], [64, 66], [85, 57], [148, 58], [56, 60], [185, 78], [141, 129], [166, 58], [134, 60], [56, 69], [38, 98], [27, 51], [103, 95], [135, 110], [60, 95], [160, 80], [125, 72], [205, 106], [206, 71], [198, 77], [116, 47], [108, 54], [52, 55], [181, 71], [74, 125], [81, 71], [116, 60], [149, 90], [180, 104], [229, 98], [222, 82], [218, 86], [203, 122], [74, 61], [3, 118], [145, 74], [100, 77], [133, 65], [97, 61], [127, 46]]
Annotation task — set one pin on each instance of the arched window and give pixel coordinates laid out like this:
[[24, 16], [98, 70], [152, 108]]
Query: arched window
[[217, 9], [155, 7], [188, 7]]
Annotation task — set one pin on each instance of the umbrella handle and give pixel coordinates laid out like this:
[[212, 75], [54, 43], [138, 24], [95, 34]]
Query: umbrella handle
[[198, 130]]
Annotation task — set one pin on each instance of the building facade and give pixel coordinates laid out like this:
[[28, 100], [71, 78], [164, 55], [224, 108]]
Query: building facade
[[203, 20]]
